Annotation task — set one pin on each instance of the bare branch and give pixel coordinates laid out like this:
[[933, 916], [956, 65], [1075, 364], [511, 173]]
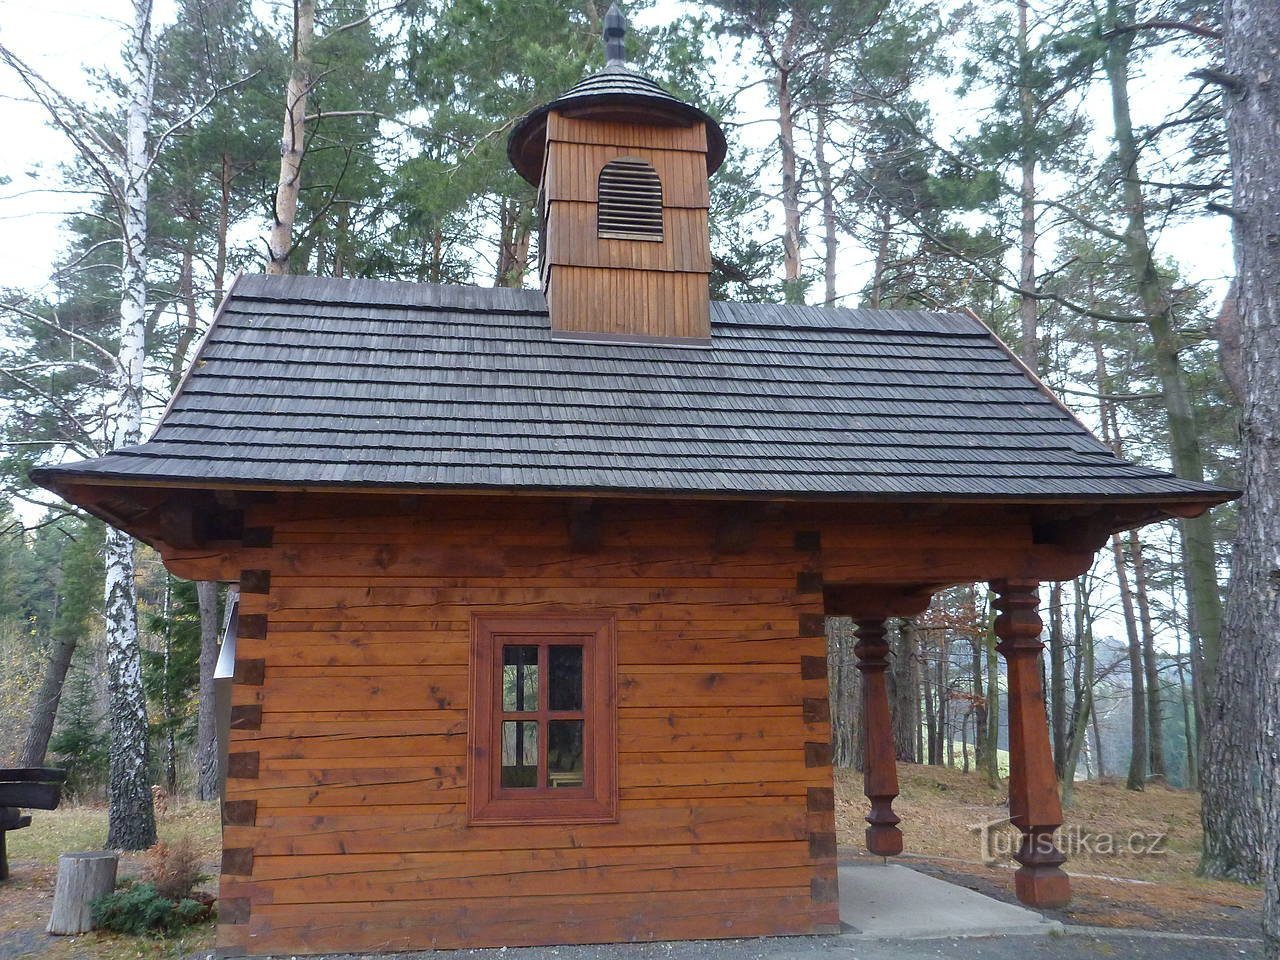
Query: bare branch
[[1183, 26], [53, 325], [177, 125]]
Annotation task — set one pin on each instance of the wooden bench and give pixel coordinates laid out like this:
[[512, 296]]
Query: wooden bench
[[36, 788]]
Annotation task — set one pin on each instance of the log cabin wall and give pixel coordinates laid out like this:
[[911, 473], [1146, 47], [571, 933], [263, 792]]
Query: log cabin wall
[[626, 287], [346, 817]]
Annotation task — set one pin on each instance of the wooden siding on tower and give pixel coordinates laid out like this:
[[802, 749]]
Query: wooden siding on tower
[[640, 303], [353, 827], [572, 241], [573, 172], [622, 287]]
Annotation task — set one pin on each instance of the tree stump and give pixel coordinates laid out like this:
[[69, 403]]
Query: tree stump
[[82, 878]]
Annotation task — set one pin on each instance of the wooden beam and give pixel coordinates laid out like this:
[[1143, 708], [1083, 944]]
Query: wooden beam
[[879, 770], [877, 600], [1034, 806]]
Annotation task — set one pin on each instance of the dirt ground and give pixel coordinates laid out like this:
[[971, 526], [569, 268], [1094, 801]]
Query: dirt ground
[[33, 861], [1132, 855], [1143, 878]]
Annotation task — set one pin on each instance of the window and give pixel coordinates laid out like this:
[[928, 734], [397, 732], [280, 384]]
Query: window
[[543, 719], [629, 201]]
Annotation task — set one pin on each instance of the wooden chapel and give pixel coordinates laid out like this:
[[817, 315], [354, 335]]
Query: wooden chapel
[[530, 643]]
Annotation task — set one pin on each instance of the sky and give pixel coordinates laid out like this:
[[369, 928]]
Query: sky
[[61, 38]]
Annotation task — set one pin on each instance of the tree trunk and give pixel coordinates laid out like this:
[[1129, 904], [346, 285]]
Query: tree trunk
[[904, 677], [980, 745], [993, 710], [44, 709], [131, 815], [794, 288], [293, 141], [1028, 308], [1155, 720], [845, 692], [1203, 591], [224, 221], [1188, 720], [827, 185], [1137, 686], [206, 719], [1057, 679], [1082, 705], [881, 265], [82, 878], [1242, 824]]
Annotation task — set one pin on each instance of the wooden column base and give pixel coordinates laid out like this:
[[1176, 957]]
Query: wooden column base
[[884, 839], [1041, 881]]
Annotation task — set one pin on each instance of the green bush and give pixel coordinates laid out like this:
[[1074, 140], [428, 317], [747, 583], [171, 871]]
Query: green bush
[[138, 909]]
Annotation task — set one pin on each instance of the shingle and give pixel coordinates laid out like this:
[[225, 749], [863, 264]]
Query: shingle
[[367, 383]]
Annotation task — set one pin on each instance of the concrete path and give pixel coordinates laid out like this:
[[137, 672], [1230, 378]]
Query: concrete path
[[894, 913], [879, 900]]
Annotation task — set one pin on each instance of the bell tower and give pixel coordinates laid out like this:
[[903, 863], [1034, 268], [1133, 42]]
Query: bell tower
[[621, 168]]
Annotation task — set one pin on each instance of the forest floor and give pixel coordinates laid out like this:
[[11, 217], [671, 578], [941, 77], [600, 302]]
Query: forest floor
[[1118, 880], [1131, 855], [26, 897]]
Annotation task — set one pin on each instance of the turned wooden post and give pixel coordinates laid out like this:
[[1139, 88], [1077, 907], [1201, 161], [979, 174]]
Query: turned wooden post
[[82, 878], [1034, 806], [879, 770]]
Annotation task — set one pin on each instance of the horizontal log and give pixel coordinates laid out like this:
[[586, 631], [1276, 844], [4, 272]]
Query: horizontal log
[[534, 921], [448, 831]]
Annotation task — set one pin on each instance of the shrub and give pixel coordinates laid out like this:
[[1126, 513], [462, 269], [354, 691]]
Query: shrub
[[173, 868], [139, 909]]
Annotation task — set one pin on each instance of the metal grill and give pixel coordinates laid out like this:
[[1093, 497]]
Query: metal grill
[[629, 199]]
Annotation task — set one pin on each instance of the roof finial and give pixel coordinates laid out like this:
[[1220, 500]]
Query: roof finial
[[615, 29]]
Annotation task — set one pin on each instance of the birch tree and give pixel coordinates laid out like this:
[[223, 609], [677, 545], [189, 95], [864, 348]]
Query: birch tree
[[119, 156]]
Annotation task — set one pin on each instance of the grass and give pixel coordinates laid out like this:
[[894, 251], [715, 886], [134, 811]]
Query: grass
[[33, 857]]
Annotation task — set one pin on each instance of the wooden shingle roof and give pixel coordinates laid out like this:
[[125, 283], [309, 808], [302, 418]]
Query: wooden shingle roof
[[306, 382]]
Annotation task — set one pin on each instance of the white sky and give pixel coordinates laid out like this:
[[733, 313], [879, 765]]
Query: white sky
[[62, 37]]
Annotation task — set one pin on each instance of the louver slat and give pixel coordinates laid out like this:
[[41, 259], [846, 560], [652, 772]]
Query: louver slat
[[629, 201]]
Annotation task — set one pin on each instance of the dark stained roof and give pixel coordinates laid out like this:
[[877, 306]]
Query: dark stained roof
[[616, 87], [320, 382]]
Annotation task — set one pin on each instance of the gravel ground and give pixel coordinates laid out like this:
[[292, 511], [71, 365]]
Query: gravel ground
[[1075, 943]]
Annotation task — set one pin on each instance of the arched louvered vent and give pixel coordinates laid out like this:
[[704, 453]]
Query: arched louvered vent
[[629, 201]]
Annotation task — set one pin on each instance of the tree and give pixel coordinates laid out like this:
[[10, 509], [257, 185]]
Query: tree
[[78, 546], [1246, 701]]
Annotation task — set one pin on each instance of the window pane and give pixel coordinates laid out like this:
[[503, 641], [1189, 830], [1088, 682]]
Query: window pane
[[564, 753], [519, 754], [565, 666], [519, 679]]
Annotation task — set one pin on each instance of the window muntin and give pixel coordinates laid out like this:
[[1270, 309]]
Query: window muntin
[[543, 719], [629, 201]]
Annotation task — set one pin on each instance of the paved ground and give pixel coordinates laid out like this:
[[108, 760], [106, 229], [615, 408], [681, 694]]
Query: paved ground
[[1062, 946], [894, 913], [880, 900]]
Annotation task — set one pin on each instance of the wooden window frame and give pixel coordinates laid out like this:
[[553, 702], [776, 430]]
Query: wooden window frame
[[597, 801]]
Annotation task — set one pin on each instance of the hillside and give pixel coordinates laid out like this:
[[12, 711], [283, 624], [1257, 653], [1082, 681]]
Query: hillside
[[1132, 855]]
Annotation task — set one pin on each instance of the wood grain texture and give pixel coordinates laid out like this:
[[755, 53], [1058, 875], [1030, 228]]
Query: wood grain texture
[[725, 803], [622, 302], [361, 746]]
